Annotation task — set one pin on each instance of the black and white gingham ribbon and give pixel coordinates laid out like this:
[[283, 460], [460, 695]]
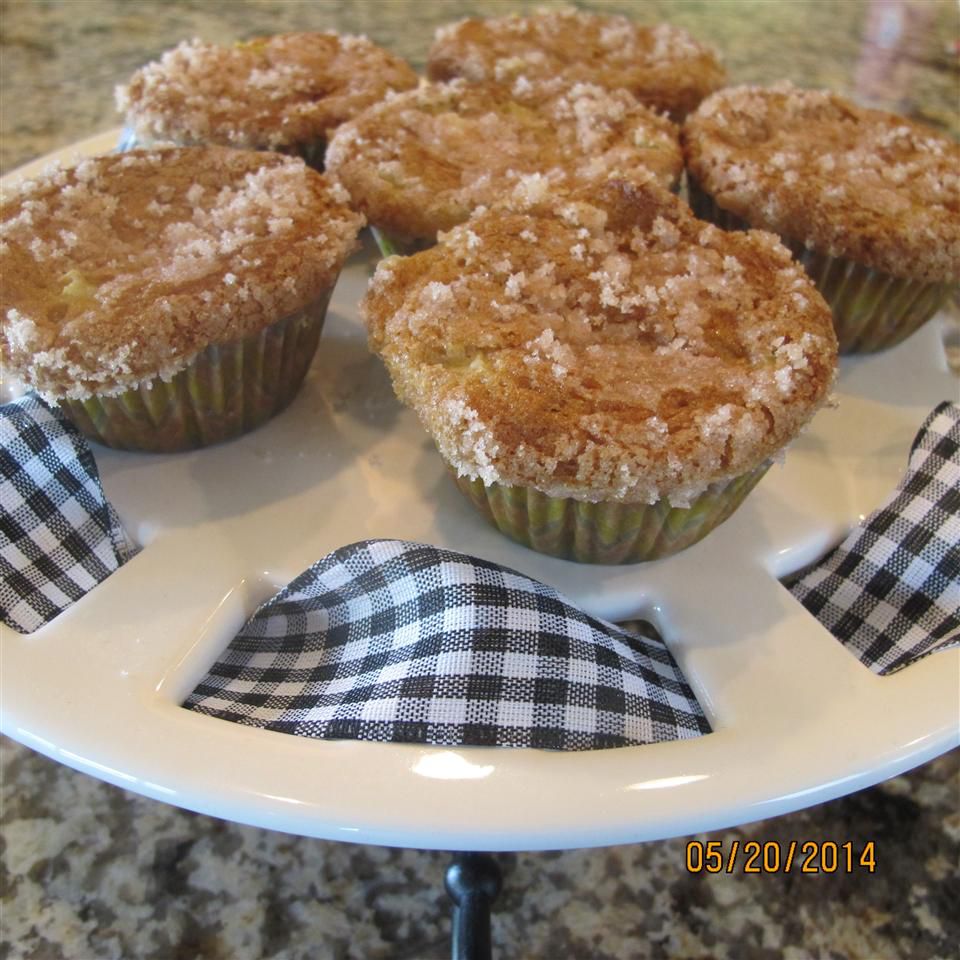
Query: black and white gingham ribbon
[[395, 641], [59, 537], [891, 591]]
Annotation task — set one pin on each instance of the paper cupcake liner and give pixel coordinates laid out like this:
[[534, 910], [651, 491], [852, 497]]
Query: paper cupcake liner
[[609, 533], [706, 208], [128, 140], [872, 310], [312, 153], [227, 390], [390, 245]]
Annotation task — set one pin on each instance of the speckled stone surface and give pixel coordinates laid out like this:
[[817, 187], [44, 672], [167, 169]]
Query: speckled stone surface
[[62, 58], [89, 871]]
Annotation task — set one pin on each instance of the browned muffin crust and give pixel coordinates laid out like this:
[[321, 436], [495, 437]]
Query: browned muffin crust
[[125, 266], [421, 161], [271, 92], [662, 65], [844, 180], [605, 346]]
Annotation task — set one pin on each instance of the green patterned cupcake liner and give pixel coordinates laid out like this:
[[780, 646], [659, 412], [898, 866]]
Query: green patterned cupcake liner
[[311, 153], [610, 533], [872, 310], [392, 246], [226, 390]]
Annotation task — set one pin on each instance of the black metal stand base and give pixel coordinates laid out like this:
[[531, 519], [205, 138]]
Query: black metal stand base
[[473, 882]]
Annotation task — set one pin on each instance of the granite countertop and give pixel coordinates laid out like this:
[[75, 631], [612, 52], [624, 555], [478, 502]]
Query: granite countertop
[[90, 871], [62, 59]]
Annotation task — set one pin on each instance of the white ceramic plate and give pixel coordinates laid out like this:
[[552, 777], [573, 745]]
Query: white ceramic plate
[[797, 720]]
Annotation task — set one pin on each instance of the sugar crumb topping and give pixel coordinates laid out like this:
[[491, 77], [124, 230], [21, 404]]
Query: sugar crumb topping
[[425, 159], [831, 175], [662, 65], [275, 92], [639, 355], [125, 266]]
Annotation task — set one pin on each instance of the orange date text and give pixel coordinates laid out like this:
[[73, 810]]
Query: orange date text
[[780, 856]]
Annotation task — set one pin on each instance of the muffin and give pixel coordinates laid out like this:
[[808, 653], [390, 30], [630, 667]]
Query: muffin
[[422, 161], [662, 65], [606, 376], [286, 93], [868, 201], [170, 299]]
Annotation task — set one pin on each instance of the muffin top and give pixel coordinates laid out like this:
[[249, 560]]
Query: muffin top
[[421, 161], [271, 92], [844, 180], [605, 345], [662, 65], [125, 266]]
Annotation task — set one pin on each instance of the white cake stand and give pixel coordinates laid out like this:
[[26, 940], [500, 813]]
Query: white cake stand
[[797, 720]]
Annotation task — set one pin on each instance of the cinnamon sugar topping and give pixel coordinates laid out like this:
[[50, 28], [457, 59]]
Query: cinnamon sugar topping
[[662, 65], [847, 181], [125, 266], [422, 160], [661, 357], [271, 92]]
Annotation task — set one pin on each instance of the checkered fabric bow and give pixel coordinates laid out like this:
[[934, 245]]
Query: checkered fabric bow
[[59, 537], [395, 641], [891, 591]]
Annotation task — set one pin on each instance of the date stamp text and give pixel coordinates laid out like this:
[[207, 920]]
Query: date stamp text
[[780, 856]]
